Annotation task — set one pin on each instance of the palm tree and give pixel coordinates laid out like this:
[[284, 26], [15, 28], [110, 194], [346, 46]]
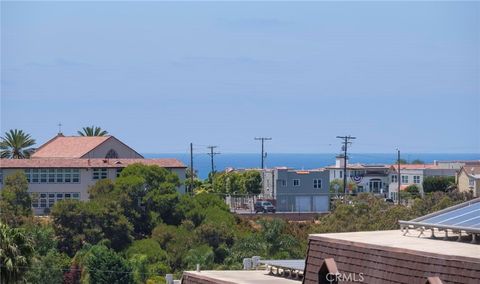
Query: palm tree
[[92, 131], [16, 250], [15, 144]]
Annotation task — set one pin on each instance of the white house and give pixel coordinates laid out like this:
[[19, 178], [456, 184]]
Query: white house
[[415, 174], [368, 177], [65, 167]]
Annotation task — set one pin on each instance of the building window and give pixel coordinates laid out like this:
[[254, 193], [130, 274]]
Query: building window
[[53, 175], [394, 178], [35, 175], [112, 154], [100, 173], [1, 176], [75, 175], [296, 182], [119, 171], [59, 176], [416, 179], [282, 182], [43, 176], [48, 199], [404, 179], [317, 183], [341, 174], [471, 182]]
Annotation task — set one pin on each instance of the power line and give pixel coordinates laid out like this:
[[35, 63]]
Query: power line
[[264, 155], [212, 154], [346, 141]]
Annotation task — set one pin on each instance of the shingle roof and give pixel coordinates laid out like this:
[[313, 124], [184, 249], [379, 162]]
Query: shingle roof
[[472, 170], [69, 146], [85, 163]]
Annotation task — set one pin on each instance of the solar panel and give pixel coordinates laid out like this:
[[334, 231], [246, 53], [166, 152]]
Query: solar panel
[[463, 217]]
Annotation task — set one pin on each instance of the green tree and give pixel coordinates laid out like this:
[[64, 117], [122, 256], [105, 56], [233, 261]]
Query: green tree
[[437, 183], [16, 251], [101, 189], [154, 189], [413, 191], [104, 266], [15, 144], [92, 131], [49, 268], [252, 182], [402, 161], [202, 255], [417, 162], [78, 222], [15, 203], [148, 247]]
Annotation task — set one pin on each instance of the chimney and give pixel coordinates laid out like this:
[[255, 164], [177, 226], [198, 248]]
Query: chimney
[[339, 161]]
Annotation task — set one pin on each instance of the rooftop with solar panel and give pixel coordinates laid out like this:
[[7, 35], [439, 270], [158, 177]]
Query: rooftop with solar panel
[[442, 247]]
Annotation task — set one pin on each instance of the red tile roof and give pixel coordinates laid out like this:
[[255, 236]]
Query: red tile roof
[[69, 146], [85, 163]]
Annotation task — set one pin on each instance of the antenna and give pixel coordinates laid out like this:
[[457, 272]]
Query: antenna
[[59, 128]]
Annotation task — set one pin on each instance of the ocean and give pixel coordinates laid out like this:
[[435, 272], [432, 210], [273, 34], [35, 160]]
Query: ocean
[[201, 161]]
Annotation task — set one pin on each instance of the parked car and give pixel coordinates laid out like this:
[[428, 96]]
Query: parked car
[[389, 200], [264, 206]]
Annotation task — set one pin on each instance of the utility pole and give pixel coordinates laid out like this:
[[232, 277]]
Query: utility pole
[[191, 168], [263, 139], [346, 141], [398, 175], [212, 154]]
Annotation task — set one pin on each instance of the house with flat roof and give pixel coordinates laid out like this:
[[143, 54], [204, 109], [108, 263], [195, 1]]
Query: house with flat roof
[[468, 179], [295, 190], [66, 166], [301, 190]]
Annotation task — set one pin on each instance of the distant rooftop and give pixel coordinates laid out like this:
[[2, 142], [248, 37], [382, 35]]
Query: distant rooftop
[[236, 276], [410, 243], [85, 163]]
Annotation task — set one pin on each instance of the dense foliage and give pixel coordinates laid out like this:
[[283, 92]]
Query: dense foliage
[[440, 183], [137, 228], [15, 202]]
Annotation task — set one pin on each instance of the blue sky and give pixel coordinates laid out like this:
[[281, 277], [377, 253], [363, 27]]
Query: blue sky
[[161, 75]]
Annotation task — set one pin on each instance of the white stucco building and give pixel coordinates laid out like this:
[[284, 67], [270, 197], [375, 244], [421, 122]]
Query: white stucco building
[[66, 166], [414, 174], [368, 177]]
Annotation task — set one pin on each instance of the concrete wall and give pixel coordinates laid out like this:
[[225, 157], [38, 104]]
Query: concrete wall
[[122, 150]]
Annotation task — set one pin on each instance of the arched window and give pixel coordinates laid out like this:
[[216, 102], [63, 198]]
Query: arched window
[[112, 154]]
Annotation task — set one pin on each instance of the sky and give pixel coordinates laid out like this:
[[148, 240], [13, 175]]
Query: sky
[[159, 75]]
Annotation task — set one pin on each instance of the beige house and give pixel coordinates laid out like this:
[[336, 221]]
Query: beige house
[[468, 179], [65, 167]]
